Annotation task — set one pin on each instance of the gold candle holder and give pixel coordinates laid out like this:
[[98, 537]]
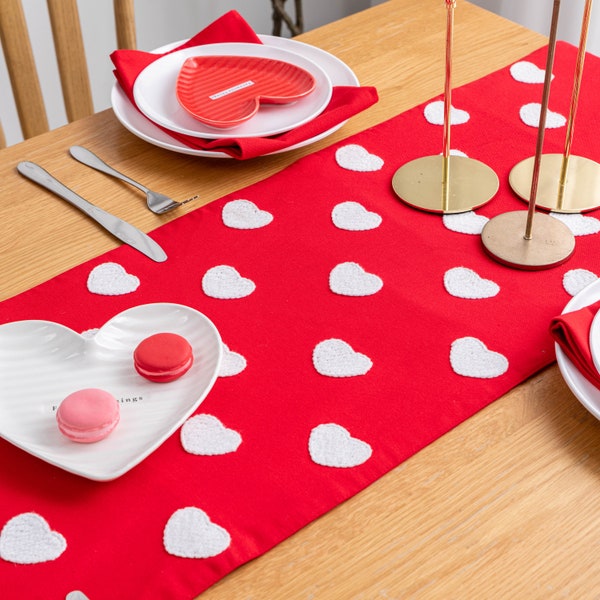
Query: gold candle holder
[[444, 183], [508, 238], [568, 184]]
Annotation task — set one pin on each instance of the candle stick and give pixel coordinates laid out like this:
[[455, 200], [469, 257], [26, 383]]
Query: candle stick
[[585, 23], [450, 6], [567, 183], [542, 124], [446, 184], [503, 237]]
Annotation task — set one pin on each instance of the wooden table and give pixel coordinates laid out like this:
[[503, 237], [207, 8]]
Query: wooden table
[[504, 506]]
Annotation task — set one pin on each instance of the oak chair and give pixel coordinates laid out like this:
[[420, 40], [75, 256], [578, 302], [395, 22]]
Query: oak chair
[[72, 65]]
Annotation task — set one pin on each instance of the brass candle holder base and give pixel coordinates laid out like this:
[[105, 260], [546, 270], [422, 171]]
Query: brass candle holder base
[[578, 193], [504, 240], [420, 183]]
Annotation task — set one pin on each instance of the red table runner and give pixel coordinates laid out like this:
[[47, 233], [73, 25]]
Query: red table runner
[[358, 331]]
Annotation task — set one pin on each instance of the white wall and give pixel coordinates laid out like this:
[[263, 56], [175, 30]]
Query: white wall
[[158, 22], [536, 14]]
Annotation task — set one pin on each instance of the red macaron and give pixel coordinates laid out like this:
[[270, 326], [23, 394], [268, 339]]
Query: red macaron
[[163, 357]]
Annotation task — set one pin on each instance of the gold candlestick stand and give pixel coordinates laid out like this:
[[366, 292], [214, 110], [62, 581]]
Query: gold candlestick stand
[[568, 184], [508, 238], [446, 184]]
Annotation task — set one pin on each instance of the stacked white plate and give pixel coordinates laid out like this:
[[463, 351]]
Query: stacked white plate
[[587, 393], [155, 95]]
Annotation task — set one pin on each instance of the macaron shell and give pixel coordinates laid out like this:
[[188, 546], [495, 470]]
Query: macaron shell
[[88, 415], [165, 376], [163, 357]]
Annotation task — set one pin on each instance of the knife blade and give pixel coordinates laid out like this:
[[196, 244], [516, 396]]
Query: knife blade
[[121, 229]]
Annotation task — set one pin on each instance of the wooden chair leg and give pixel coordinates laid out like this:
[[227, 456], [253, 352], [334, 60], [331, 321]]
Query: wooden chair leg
[[281, 16]]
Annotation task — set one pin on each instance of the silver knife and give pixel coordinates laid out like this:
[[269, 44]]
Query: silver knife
[[120, 229]]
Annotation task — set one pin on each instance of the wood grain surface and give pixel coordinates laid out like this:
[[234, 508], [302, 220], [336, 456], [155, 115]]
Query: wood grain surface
[[506, 505]]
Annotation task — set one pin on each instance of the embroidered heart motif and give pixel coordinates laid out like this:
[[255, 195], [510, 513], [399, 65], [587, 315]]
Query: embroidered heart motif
[[526, 72], [224, 91], [232, 363], [530, 115], [466, 283], [578, 224], [466, 222], [64, 361], [76, 595], [470, 357], [336, 358], [27, 539], [434, 113], [577, 279], [353, 216], [206, 435], [350, 279], [331, 445], [111, 279], [189, 533], [356, 158], [243, 214], [226, 283]]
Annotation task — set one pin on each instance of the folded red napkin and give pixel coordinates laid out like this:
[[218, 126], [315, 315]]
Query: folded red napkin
[[345, 102], [571, 331]]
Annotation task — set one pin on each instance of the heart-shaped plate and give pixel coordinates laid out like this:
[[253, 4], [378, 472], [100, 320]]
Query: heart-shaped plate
[[41, 362], [155, 93], [224, 91]]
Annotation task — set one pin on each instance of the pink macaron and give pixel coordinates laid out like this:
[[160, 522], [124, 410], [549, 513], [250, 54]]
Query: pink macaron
[[163, 357], [88, 415]]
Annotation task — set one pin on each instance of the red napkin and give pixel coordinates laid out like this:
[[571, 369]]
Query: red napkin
[[571, 331], [345, 102]]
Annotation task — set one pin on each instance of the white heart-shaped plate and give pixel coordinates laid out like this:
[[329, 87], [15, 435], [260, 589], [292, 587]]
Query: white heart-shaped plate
[[41, 362]]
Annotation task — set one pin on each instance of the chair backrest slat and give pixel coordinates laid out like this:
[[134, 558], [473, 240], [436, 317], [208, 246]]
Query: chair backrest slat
[[70, 56], [19, 61]]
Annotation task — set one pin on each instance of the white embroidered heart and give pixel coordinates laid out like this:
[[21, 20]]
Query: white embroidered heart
[[470, 357], [356, 158], [226, 283], [577, 279], [465, 222], [189, 533], [207, 436], [526, 72], [434, 113], [350, 279], [353, 216], [27, 539], [336, 358], [76, 595], [578, 224], [111, 279], [466, 283], [232, 363], [530, 115], [243, 214], [331, 445]]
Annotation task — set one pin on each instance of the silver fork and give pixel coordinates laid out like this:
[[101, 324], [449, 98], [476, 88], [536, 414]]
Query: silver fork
[[157, 203]]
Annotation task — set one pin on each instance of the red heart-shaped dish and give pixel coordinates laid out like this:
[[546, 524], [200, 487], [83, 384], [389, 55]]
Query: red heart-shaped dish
[[224, 91]]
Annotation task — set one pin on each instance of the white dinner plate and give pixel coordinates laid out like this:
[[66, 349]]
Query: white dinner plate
[[587, 393], [155, 94], [41, 362], [339, 74], [595, 340]]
